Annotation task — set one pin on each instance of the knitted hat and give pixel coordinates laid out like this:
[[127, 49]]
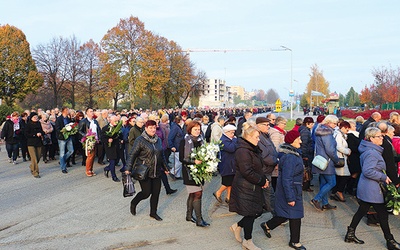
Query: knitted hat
[[291, 136], [32, 114], [320, 118], [228, 127]]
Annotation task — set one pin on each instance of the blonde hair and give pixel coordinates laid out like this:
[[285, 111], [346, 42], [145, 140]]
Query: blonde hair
[[153, 117], [360, 119], [248, 129]]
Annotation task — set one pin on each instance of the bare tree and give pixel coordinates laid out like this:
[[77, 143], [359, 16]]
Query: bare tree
[[51, 63], [272, 96]]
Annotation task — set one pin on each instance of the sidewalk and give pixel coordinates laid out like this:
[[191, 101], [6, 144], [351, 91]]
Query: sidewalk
[[72, 211]]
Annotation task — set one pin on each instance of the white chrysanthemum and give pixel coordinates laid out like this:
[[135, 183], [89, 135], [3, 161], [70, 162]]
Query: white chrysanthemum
[[68, 127], [396, 212]]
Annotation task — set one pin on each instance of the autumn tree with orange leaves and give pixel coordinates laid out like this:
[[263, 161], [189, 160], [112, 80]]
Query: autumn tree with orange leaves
[[18, 73]]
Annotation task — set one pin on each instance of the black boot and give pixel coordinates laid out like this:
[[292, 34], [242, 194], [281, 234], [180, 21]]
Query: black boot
[[351, 236], [199, 218], [392, 244], [133, 207], [189, 209]]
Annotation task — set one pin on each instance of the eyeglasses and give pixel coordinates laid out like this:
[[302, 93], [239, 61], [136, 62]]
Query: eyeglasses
[[379, 136], [264, 124]]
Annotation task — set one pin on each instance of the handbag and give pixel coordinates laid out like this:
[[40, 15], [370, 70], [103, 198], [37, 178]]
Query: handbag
[[127, 184], [320, 162], [340, 164], [140, 171], [46, 140]]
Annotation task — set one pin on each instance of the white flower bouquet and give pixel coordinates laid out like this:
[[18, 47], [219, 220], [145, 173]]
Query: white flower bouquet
[[208, 155]]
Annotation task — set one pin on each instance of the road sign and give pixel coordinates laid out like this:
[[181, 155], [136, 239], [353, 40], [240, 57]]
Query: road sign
[[278, 106], [291, 93]]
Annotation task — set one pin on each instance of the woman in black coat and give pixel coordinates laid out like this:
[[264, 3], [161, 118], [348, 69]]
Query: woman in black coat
[[192, 139], [307, 151], [353, 142], [288, 196], [147, 149], [247, 195], [111, 144], [34, 134]]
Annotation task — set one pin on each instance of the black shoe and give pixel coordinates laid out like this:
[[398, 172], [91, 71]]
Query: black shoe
[[297, 247], [171, 191], [392, 244], [218, 198], [192, 219], [316, 204], [266, 230], [106, 173], [45, 161], [64, 172], [24, 159], [36, 176], [328, 207], [68, 165], [116, 179], [155, 216], [73, 163], [202, 223], [133, 209], [101, 162]]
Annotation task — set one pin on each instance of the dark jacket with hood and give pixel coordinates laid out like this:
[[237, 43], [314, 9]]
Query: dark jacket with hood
[[289, 184], [247, 194], [325, 146]]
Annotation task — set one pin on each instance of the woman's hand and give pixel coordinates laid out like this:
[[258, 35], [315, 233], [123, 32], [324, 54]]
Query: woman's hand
[[292, 203], [388, 180], [266, 183], [197, 162], [127, 172], [110, 140]]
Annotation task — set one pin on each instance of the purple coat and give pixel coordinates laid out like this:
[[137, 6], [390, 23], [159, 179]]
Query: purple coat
[[372, 166]]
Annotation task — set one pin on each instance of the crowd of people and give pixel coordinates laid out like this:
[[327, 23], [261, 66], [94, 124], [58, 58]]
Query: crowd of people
[[264, 167]]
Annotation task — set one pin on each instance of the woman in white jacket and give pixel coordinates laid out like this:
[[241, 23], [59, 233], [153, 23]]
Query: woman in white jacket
[[343, 151]]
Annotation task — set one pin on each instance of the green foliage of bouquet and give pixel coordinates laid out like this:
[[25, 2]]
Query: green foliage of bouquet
[[208, 155], [113, 131], [392, 197], [69, 129]]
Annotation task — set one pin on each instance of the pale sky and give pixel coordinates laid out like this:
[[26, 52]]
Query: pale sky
[[346, 39]]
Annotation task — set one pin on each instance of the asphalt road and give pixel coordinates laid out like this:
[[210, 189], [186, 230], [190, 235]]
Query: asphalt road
[[72, 211]]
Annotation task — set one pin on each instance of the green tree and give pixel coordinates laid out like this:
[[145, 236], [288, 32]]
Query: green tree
[[352, 98], [303, 101], [18, 73], [120, 47]]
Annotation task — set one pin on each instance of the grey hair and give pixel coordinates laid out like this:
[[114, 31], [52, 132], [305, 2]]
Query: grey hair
[[280, 119], [390, 128], [371, 132], [330, 119], [360, 119], [383, 126]]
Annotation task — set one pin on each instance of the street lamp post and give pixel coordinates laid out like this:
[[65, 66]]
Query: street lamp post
[[291, 93]]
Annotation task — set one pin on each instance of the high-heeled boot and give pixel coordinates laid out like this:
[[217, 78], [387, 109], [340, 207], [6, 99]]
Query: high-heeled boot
[[199, 218], [189, 208]]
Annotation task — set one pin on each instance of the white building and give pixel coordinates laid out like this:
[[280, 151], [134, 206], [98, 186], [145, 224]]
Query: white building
[[215, 93]]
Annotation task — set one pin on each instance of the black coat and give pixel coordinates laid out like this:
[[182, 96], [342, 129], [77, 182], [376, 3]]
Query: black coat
[[269, 153], [31, 130], [354, 158], [388, 156], [8, 133], [187, 179], [364, 127], [111, 151], [247, 194], [152, 155], [84, 126]]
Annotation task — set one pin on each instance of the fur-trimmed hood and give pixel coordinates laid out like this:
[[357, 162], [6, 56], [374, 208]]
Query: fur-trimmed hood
[[322, 130], [288, 149]]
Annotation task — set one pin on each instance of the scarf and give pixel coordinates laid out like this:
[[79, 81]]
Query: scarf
[[152, 140], [189, 145]]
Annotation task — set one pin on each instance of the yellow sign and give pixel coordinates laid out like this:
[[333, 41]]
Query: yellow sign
[[278, 106]]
